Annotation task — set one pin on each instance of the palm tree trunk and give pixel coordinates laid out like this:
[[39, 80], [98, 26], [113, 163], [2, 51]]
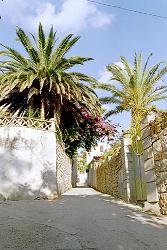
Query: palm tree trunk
[[30, 108], [57, 114], [136, 132], [43, 109]]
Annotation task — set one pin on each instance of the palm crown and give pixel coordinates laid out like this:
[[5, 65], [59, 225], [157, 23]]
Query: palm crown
[[43, 79], [136, 90]]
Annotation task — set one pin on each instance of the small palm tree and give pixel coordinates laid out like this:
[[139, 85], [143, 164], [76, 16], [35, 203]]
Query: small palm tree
[[44, 75], [136, 91]]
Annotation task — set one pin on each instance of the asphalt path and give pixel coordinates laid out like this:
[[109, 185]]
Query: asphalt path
[[81, 219]]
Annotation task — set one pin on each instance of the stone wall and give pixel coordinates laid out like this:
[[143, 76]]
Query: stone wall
[[74, 174], [133, 178], [64, 170], [154, 135], [115, 175], [32, 164]]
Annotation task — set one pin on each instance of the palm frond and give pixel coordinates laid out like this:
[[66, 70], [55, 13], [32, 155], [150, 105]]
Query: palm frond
[[41, 38], [33, 91], [63, 48], [118, 74], [115, 111], [24, 39]]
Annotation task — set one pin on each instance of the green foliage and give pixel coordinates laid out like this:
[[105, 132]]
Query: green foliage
[[33, 113], [81, 162], [85, 133], [43, 85], [43, 80], [135, 91], [114, 150], [159, 123]]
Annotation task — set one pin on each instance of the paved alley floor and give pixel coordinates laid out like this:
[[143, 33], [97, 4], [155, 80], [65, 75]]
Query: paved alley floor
[[81, 219]]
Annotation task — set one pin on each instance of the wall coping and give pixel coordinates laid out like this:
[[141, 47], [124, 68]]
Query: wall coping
[[28, 122]]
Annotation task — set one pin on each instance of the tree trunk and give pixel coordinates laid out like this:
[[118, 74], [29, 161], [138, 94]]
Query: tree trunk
[[136, 132], [43, 109], [57, 114], [57, 117], [30, 108]]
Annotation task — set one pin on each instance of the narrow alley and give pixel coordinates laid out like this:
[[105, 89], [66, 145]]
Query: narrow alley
[[81, 219]]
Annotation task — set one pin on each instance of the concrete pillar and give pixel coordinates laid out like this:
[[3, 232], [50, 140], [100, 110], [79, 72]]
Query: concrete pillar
[[128, 169]]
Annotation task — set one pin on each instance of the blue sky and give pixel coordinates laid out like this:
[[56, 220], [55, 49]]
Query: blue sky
[[106, 33]]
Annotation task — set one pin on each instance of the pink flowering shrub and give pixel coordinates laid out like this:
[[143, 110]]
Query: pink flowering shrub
[[98, 126], [85, 132]]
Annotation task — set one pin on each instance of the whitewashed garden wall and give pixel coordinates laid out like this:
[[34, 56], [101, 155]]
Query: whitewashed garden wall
[[32, 164]]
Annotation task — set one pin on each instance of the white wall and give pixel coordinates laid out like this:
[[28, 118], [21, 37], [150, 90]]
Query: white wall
[[82, 179], [97, 151], [27, 163]]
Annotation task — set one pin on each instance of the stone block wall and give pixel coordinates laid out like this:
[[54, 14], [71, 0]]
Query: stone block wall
[[114, 175], [133, 178], [160, 161], [32, 164], [155, 161], [103, 175]]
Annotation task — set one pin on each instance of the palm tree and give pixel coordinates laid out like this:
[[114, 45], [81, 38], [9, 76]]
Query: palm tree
[[136, 90], [44, 75]]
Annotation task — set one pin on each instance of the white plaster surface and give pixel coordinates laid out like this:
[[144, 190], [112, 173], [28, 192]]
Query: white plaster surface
[[97, 151], [27, 163], [82, 179]]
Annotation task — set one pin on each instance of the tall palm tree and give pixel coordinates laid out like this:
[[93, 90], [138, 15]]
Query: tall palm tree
[[45, 74], [137, 87]]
